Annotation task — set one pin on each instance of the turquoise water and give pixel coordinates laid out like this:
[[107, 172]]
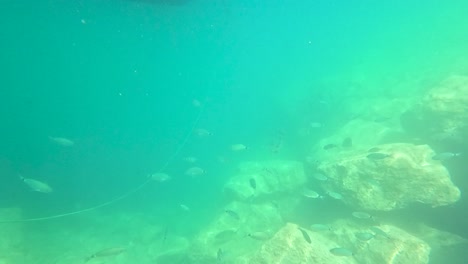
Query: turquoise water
[[120, 78]]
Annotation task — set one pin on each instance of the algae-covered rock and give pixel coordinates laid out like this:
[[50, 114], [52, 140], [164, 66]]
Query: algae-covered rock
[[289, 245], [265, 180], [393, 177], [442, 114], [232, 228], [384, 244]]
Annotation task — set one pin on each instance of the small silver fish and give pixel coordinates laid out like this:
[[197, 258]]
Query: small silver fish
[[184, 207], [190, 159], [160, 177], [261, 236], [361, 215], [201, 132], [377, 156], [36, 185], [64, 142], [379, 232], [335, 195], [320, 177], [194, 171], [311, 194], [106, 253], [238, 147]]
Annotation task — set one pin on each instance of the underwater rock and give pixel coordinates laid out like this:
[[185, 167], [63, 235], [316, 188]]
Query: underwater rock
[[437, 238], [273, 179], [408, 175], [242, 236], [441, 116], [288, 245], [398, 246]]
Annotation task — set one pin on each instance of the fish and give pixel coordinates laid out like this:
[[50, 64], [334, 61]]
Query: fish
[[164, 236], [330, 146], [320, 177], [361, 215], [225, 236], [343, 252], [238, 147], [201, 132], [374, 149], [379, 231], [377, 156], [232, 214], [259, 235], [36, 185], [315, 125], [220, 256], [310, 194], [305, 235], [364, 236], [190, 159], [253, 183], [194, 171], [184, 207], [445, 156], [64, 142], [160, 177], [196, 103], [335, 195], [347, 143], [106, 253]]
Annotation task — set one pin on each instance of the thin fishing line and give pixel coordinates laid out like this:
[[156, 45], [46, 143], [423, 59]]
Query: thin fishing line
[[128, 193]]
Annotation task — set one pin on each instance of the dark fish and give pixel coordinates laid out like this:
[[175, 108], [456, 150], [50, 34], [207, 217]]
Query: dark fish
[[232, 214], [106, 253], [347, 143], [445, 156], [220, 256], [164, 236], [253, 183], [374, 149], [306, 236], [329, 146], [377, 156]]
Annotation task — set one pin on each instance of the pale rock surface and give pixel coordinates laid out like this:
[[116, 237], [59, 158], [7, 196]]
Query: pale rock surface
[[407, 176]]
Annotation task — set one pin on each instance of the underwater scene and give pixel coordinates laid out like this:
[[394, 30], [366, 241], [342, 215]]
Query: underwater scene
[[233, 132]]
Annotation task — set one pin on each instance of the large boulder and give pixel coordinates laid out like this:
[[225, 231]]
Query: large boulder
[[289, 245], [442, 114], [390, 245], [403, 175], [229, 231]]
